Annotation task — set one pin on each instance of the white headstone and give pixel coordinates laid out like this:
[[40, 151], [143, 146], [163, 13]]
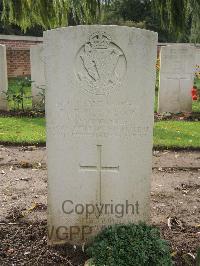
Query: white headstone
[[99, 102], [37, 74], [3, 78], [176, 78]]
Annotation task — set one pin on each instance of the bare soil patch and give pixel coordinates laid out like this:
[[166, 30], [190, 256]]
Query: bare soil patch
[[175, 201], [179, 117]]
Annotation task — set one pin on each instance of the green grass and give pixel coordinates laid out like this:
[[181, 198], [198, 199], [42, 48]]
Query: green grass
[[22, 130], [167, 134], [197, 83], [196, 106], [177, 134]]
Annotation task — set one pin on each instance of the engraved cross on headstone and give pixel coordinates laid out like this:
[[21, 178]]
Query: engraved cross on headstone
[[100, 168]]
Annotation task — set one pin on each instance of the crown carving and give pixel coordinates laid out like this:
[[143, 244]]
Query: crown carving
[[100, 40]]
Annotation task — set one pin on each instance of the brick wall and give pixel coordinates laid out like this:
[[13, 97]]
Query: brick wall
[[18, 53]]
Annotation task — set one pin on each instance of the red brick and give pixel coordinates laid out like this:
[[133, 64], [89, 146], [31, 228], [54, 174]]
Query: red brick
[[18, 57]]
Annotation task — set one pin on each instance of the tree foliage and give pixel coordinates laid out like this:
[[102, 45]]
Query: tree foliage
[[179, 18], [174, 20], [50, 13]]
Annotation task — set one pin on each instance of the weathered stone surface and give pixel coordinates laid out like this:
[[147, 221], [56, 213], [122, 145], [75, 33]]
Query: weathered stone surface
[[99, 103], [176, 78], [3, 78], [37, 74]]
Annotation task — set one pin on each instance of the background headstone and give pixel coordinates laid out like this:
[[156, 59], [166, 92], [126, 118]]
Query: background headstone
[[176, 78], [37, 74], [99, 103], [3, 79]]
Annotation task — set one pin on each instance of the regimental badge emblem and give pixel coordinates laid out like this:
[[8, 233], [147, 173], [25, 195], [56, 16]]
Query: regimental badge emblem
[[100, 65]]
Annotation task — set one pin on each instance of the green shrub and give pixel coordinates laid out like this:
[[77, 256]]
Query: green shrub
[[19, 93], [130, 245]]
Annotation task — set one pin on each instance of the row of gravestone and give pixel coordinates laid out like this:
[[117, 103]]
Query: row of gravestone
[[100, 87], [177, 66]]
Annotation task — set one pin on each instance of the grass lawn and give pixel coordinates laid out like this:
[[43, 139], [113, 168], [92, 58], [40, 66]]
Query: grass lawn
[[167, 134], [22, 130], [178, 134]]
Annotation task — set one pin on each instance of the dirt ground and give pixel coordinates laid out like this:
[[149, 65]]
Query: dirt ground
[[175, 207]]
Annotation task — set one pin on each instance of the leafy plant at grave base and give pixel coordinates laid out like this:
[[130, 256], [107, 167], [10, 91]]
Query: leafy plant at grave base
[[196, 88], [197, 72], [129, 245], [157, 74], [41, 95], [7, 95], [18, 94], [194, 93]]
